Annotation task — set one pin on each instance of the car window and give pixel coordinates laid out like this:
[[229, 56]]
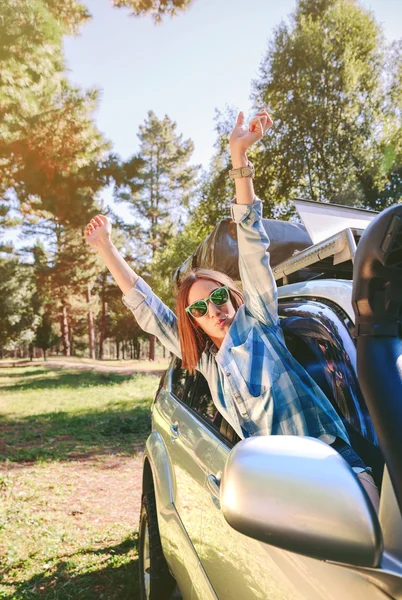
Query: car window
[[194, 391], [202, 403], [322, 345], [181, 381]]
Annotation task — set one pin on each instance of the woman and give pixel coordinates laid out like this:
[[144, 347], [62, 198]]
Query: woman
[[236, 340]]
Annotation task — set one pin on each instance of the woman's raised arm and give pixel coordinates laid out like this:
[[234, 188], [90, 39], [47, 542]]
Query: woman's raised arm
[[239, 142], [150, 312], [98, 235], [259, 287]]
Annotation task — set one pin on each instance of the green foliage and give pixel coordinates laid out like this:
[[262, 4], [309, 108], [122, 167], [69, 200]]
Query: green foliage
[[69, 14], [121, 325], [159, 188], [50, 149], [166, 260], [321, 78], [45, 336], [157, 184], [17, 311], [215, 194], [53, 160], [217, 191], [157, 8], [334, 89]]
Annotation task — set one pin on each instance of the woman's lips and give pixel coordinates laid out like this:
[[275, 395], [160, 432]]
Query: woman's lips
[[221, 322]]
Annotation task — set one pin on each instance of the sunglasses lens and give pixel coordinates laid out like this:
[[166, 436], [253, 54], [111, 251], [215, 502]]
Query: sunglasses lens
[[198, 309], [220, 296]]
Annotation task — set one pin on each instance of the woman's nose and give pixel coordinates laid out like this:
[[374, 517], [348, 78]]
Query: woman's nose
[[213, 310]]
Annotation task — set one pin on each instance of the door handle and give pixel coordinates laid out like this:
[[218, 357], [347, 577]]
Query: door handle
[[214, 483], [174, 430]]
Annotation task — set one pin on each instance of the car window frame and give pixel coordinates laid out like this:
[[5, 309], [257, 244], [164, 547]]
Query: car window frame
[[203, 420]]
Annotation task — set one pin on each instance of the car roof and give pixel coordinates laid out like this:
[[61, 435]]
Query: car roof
[[337, 291]]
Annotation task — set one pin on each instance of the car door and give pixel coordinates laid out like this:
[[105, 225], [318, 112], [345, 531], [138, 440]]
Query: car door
[[191, 447], [237, 567]]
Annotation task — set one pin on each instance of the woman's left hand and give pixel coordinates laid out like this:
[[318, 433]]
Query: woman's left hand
[[241, 139]]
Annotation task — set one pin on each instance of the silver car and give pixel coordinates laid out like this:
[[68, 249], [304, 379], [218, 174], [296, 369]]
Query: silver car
[[280, 517]]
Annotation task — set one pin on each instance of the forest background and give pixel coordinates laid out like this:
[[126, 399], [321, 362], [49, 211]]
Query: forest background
[[332, 83]]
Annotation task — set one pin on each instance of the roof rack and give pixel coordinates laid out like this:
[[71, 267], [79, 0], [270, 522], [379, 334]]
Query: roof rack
[[331, 258]]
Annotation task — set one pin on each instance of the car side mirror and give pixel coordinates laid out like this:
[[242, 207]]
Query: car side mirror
[[299, 494]]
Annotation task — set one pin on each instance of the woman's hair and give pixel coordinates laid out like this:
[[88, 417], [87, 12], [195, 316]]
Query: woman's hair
[[192, 338]]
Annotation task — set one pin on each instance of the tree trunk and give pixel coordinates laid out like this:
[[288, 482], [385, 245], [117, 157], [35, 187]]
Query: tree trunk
[[91, 330], [117, 350], [152, 347], [44, 354], [103, 319], [65, 334]]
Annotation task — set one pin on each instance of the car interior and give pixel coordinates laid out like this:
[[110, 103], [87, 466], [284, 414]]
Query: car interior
[[339, 383]]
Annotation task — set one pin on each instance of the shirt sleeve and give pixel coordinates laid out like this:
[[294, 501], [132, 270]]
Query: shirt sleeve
[[153, 316], [259, 286]]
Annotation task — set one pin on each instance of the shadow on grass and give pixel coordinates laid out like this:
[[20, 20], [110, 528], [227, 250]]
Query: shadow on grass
[[118, 580], [65, 436], [72, 379], [19, 375]]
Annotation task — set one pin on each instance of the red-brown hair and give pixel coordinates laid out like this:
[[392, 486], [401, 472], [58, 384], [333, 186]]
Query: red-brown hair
[[192, 338]]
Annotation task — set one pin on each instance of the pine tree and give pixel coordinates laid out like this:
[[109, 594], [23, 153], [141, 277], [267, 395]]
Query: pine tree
[[18, 318], [157, 184], [45, 337]]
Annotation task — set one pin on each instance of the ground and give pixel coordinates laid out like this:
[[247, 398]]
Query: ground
[[71, 442]]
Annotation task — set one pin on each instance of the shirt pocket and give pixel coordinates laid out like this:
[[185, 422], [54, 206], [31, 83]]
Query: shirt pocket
[[255, 366]]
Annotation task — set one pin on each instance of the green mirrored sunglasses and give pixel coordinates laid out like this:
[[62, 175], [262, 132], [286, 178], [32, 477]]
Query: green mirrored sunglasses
[[219, 297]]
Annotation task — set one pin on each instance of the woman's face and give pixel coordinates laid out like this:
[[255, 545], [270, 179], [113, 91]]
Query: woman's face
[[218, 318]]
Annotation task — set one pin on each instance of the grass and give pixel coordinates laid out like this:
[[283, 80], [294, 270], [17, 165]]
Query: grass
[[70, 445], [50, 414]]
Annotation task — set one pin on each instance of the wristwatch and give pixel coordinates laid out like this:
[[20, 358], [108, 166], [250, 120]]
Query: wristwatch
[[243, 171]]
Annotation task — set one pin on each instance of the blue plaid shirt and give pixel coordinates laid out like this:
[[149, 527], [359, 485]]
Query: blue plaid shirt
[[256, 384]]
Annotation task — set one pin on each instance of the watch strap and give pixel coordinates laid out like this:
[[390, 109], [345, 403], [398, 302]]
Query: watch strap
[[247, 171]]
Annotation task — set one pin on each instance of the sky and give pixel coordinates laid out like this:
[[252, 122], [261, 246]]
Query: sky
[[186, 67]]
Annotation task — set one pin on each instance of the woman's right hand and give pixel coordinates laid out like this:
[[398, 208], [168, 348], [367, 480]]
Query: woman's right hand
[[98, 232]]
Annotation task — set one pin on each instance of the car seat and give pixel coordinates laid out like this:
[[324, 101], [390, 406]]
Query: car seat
[[377, 302]]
